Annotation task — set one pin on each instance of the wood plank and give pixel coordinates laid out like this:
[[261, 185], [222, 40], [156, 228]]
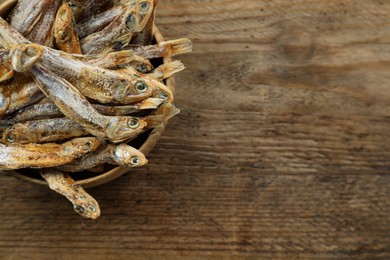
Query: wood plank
[[282, 148], [183, 214]]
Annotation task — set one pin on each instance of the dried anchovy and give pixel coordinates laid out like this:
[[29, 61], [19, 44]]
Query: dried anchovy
[[120, 31], [42, 32], [123, 155], [83, 203], [18, 93], [45, 155], [145, 36], [43, 131], [70, 101], [64, 32], [47, 110]]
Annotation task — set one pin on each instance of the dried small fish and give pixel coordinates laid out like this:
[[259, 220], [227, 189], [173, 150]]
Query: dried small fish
[[34, 112], [45, 155], [120, 31], [43, 131], [163, 49], [145, 36], [118, 59], [127, 88], [103, 85], [26, 14], [49, 110], [9, 36], [99, 21], [149, 103], [23, 56], [64, 32], [166, 70], [76, 107], [42, 32], [166, 111], [122, 155], [4, 104], [18, 92], [83, 203], [83, 9], [6, 70]]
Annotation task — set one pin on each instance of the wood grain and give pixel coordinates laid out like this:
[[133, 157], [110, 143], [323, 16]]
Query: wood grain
[[282, 148]]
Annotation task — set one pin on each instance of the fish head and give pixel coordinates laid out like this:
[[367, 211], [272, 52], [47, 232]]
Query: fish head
[[82, 145], [121, 128], [19, 134], [62, 23], [143, 66], [126, 155], [86, 206], [129, 91], [162, 91], [24, 56], [138, 14], [159, 90]]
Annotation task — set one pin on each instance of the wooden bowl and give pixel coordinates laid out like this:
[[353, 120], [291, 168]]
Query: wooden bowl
[[144, 142]]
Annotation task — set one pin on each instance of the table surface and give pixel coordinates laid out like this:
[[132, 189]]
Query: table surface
[[281, 149]]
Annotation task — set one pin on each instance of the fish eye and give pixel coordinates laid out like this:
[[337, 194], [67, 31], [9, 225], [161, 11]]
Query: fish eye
[[135, 160], [72, 5], [141, 87], [163, 96], [79, 209], [142, 68], [91, 208], [31, 52], [133, 123], [88, 145], [130, 20], [144, 6], [11, 138], [118, 45]]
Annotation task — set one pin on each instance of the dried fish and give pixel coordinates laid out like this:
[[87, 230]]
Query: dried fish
[[76, 107], [23, 56], [83, 203], [122, 155], [118, 59], [82, 9], [43, 131], [34, 112], [42, 32], [9, 36], [26, 14], [64, 32], [47, 110], [149, 103], [18, 92], [163, 49], [145, 36], [45, 155], [120, 31], [166, 70], [6, 70], [99, 21], [105, 86], [97, 83]]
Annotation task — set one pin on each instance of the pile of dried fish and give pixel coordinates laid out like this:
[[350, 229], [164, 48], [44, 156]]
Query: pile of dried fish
[[78, 83]]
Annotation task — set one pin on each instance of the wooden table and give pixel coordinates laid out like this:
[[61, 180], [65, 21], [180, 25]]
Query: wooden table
[[281, 150]]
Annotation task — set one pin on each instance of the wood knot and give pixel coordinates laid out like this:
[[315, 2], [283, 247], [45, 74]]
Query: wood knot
[[296, 44]]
